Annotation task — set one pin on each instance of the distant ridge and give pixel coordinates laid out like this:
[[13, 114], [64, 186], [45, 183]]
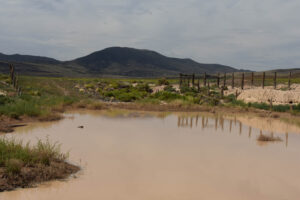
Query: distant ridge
[[28, 58], [113, 61]]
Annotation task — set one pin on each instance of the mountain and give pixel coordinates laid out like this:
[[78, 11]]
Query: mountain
[[28, 59], [114, 61]]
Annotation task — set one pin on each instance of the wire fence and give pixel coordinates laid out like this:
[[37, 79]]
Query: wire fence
[[242, 79]]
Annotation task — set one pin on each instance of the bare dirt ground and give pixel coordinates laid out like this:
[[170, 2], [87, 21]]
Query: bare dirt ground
[[162, 87], [278, 96]]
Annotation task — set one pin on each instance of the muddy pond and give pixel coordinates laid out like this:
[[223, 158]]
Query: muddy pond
[[169, 156]]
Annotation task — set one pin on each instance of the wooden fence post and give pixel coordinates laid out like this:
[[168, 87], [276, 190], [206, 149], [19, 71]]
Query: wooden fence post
[[14, 81], [208, 88], [204, 79], [218, 80], [222, 92], [198, 84], [17, 83], [263, 80], [10, 72], [193, 80], [188, 81], [232, 84], [180, 80], [224, 84], [19, 91], [290, 76], [275, 79], [252, 79], [243, 79]]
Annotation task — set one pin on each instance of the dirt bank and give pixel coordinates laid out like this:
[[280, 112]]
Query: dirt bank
[[32, 175], [8, 124]]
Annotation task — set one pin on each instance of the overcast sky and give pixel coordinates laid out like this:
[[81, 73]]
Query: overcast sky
[[249, 34]]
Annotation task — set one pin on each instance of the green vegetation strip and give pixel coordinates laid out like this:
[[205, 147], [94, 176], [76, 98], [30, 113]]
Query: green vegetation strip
[[44, 97]]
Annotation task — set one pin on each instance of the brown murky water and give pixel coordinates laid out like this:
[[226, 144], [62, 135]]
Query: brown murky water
[[144, 156]]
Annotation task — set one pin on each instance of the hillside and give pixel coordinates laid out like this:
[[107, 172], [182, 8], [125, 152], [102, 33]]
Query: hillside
[[114, 61], [28, 59]]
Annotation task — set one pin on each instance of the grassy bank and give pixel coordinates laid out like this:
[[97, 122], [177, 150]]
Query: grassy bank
[[22, 165], [45, 98]]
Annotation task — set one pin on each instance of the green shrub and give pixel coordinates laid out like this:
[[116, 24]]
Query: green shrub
[[163, 81], [21, 107], [5, 100], [89, 86], [126, 95], [69, 100], [167, 96], [186, 89], [34, 93], [262, 106], [144, 87], [231, 99], [169, 88], [281, 108]]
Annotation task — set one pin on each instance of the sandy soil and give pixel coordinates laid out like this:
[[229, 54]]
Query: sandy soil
[[278, 96], [157, 88], [2, 93], [161, 88]]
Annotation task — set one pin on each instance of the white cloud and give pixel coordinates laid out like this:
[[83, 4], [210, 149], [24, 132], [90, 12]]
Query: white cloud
[[245, 34]]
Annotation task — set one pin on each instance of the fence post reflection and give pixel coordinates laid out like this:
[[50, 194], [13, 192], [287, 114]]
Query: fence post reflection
[[222, 123], [241, 126], [250, 131]]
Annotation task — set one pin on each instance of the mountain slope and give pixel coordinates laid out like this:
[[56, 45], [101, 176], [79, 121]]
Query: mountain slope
[[134, 62], [114, 61], [28, 59]]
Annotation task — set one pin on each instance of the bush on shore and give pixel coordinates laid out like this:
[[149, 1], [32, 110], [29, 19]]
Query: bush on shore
[[14, 154]]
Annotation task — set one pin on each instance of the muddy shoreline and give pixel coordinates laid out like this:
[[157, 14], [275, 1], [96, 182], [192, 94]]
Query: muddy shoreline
[[7, 125], [30, 176]]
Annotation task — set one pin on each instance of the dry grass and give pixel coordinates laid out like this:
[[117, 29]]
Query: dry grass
[[96, 106], [50, 117]]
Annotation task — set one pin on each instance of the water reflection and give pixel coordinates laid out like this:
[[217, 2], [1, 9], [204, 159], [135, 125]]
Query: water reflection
[[219, 123]]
